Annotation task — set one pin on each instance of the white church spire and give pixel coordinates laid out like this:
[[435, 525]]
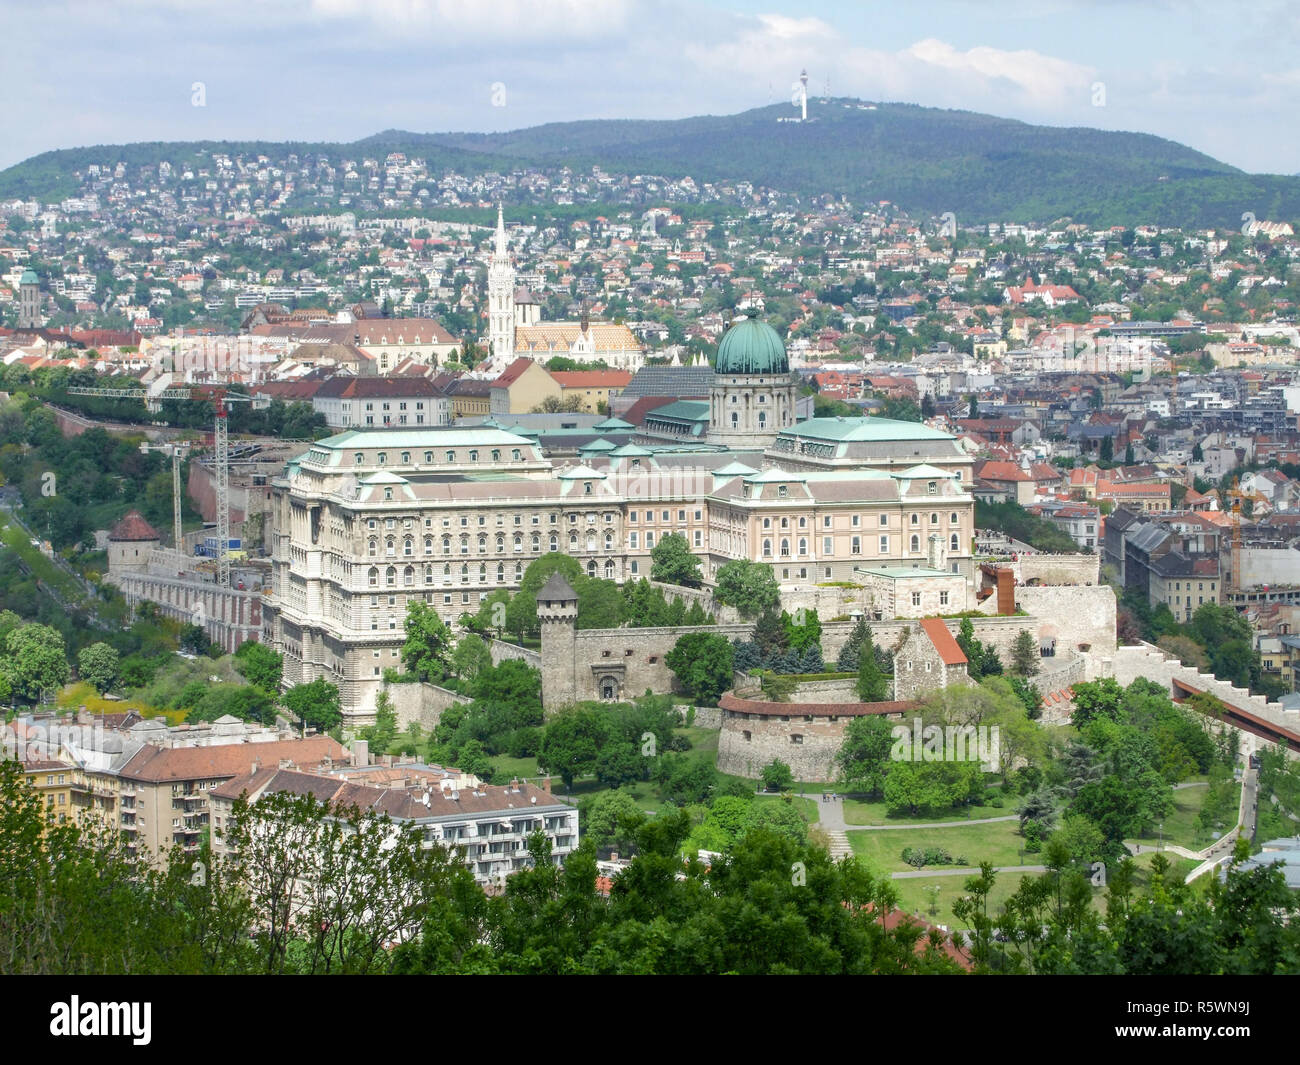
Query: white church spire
[[501, 299]]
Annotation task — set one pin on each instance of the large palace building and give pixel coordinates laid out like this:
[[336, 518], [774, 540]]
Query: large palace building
[[366, 520]]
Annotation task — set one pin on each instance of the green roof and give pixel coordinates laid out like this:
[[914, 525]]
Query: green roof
[[613, 423], [751, 347], [29, 277], [599, 444], [448, 437], [895, 572], [689, 410], [863, 429]]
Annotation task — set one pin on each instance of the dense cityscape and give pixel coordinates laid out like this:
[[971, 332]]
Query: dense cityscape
[[419, 558]]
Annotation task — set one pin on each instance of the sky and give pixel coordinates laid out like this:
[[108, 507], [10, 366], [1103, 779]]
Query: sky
[[1221, 78]]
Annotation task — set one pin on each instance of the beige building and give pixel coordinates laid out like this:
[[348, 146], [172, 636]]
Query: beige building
[[829, 525], [365, 522], [165, 791], [928, 661], [594, 389], [522, 387]]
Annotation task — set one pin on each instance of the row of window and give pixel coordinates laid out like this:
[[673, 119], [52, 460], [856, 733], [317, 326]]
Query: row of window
[[856, 522], [359, 457], [855, 546]]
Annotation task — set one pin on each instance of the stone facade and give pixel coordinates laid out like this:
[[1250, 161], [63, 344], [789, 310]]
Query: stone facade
[[921, 667], [806, 736]]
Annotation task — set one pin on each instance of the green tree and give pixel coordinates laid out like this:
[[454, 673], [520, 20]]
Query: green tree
[[471, 657], [748, 586], [428, 642], [571, 743], [383, 732], [611, 818], [36, 661], [702, 662], [316, 704], [873, 685], [259, 665], [672, 562], [98, 664], [863, 757], [1024, 654], [776, 776]]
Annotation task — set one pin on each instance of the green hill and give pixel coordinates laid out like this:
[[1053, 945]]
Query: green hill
[[927, 160]]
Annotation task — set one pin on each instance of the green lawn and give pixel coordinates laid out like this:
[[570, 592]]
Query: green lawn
[[913, 897], [873, 812], [998, 843], [1180, 827]]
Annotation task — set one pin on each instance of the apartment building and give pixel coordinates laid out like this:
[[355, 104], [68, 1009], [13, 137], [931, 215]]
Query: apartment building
[[164, 792], [381, 402], [487, 825]]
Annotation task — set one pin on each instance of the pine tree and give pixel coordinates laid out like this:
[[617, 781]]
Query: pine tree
[[872, 686], [1024, 654], [848, 657]]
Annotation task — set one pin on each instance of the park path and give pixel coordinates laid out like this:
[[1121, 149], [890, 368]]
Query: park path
[[831, 821], [968, 872], [936, 824]]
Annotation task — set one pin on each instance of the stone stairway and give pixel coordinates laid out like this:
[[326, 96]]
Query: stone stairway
[[839, 844]]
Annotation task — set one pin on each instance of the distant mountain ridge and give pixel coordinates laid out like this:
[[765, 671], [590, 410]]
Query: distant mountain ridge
[[926, 160]]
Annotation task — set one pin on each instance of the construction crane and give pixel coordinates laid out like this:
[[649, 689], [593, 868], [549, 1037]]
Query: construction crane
[[220, 396], [177, 450]]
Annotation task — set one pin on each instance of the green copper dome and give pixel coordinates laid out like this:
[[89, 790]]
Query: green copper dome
[[751, 347]]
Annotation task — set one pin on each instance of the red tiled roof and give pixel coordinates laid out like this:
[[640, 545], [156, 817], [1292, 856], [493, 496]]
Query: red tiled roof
[[591, 378], [133, 527], [735, 704], [160, 764], [944, 642]]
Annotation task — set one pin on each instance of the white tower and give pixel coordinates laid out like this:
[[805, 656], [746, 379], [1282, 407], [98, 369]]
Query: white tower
[[803, 96], [501, 299]]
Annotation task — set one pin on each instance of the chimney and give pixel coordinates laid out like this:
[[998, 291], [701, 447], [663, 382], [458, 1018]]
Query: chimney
[[256, 765], [361, 753], [546, 783]]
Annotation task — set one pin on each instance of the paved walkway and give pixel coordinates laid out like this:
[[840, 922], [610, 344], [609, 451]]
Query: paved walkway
[[942, 871], [936, 824]]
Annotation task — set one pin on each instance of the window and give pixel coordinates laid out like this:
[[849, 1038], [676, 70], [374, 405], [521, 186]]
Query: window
[[785, 548], [916, 519], [632, 540], [796, 738], [767, 548], [934, 519], [803, 546], [827, 543], [932, 488], [943, 598], [383, 457], [406, 455], [855, 545], [884, 545], [916, 598], [916, 543], [952, 518], [856, 520], [954, 544]]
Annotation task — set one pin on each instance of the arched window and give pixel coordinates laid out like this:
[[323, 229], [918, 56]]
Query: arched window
[[464, 544], [555, 542], [406, 458], [952, 518], [501, 542], [934, 519], [374, 577], [373, 547], [519, 571], [408, 576], [390, 546], [916, 519], [609, 541], [785, 548], [359, 458], [383, 457], [735, 418], [496, 454], [573, 541], [428, 545], [537, 542], [916, 543], [591, 567], [803, 546], [428, 573], [482, 542], [482, 573], [390, 576], [609, 570], [767, 548], [446, 545], [408, 546], [954, 544], [501, 573], [464, 573], [762, 419]]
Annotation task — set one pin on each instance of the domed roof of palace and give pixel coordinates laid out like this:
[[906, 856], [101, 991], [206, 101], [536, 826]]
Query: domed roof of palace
[[751, 347]]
